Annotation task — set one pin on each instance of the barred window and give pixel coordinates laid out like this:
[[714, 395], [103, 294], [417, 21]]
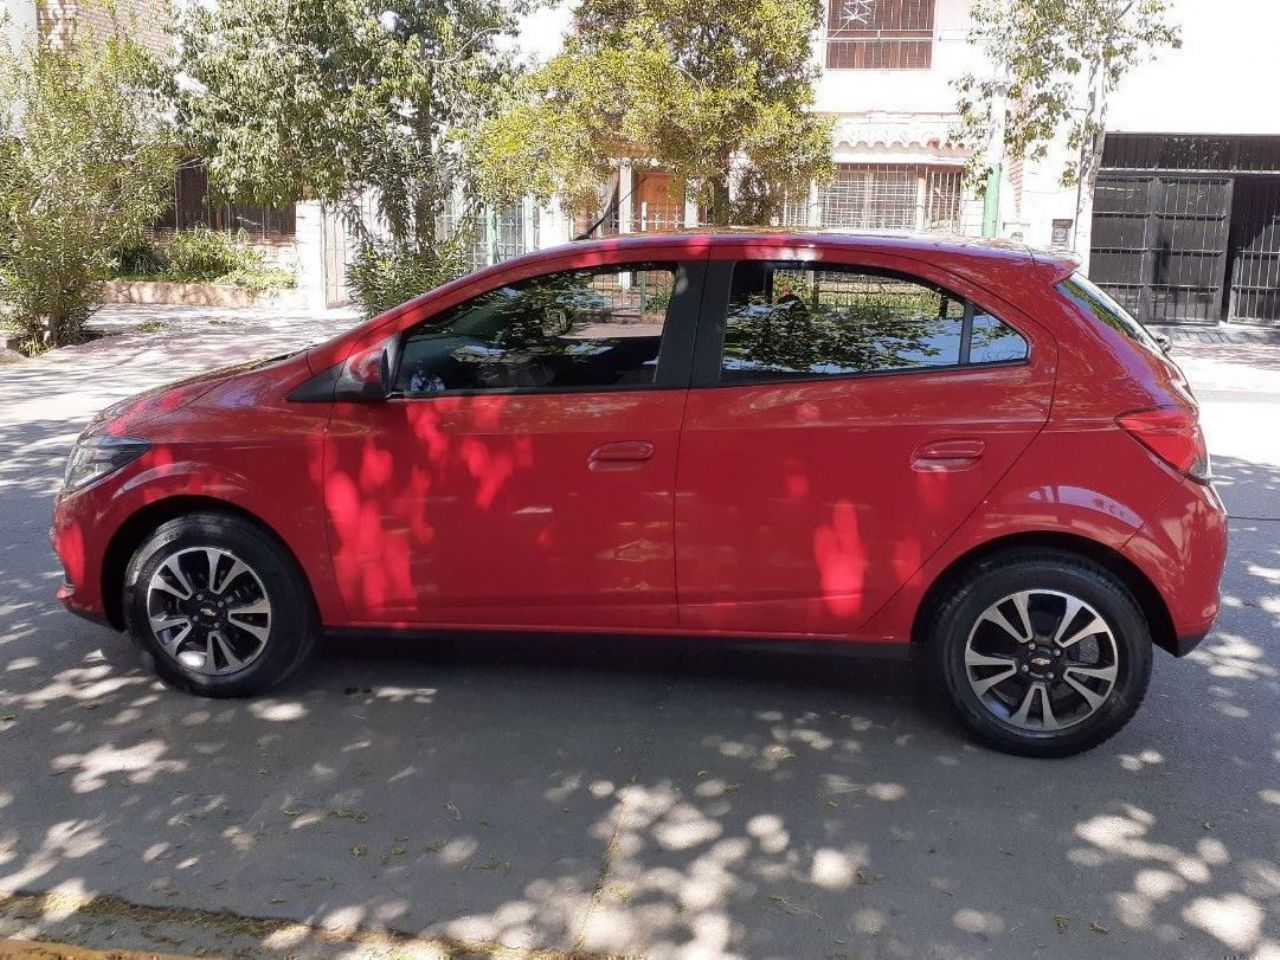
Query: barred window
[[892, 197], [879, 34], [193, 206]]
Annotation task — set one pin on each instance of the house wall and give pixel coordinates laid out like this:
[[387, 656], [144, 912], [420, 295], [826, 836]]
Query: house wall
[[920, 92], [1218, 82], [143, 20], [19, 20]]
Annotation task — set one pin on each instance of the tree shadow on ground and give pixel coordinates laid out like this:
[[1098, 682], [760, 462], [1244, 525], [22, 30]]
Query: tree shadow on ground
[[620, 796]]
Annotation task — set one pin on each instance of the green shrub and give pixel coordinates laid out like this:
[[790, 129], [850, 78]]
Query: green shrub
[[139, 258], [92, 167], [260, 279], [204, 254], [385, 275]]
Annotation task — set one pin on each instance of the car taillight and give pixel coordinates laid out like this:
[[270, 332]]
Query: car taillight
[[1173, 434]]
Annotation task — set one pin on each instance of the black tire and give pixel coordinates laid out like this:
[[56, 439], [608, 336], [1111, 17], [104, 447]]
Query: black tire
[[292, 626], [1047, 574]]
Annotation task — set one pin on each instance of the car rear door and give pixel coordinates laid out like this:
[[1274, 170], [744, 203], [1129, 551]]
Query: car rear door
[[523, 471], [848, 411]]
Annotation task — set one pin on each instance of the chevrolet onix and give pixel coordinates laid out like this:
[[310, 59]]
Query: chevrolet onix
[[969, 450]]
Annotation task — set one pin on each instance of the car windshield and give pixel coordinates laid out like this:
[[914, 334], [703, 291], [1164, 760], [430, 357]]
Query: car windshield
[[1099, 303]]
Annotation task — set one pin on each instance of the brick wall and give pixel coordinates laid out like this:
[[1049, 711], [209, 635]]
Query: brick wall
[[61, 21]]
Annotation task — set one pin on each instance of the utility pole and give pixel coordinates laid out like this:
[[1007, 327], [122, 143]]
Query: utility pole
[[995, 162]]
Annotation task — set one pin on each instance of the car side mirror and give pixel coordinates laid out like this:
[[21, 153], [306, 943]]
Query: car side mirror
[[1165, 343], [366, 376]]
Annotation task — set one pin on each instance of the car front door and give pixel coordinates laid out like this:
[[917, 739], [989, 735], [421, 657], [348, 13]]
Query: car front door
[[522, 471], [844, 419]]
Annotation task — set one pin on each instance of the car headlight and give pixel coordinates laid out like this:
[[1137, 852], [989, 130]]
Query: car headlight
[[93, 458]]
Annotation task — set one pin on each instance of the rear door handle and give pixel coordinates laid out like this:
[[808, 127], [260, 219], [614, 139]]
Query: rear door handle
[[620, 455], [948, 454]]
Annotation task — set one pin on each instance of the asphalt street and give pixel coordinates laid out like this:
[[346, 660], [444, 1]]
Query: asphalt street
[[616, 797]]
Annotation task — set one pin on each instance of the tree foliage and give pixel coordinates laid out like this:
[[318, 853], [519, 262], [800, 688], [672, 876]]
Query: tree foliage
[[717, 94], [1054, 65], [86, 163], [385, 275], [329, 99]]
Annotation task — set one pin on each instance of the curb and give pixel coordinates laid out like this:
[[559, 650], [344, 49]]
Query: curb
[[42, 950], [1222, 333]]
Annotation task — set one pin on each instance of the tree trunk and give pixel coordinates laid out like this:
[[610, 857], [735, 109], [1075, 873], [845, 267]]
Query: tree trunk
[[721, 212], [424, 221], [1091, 145]]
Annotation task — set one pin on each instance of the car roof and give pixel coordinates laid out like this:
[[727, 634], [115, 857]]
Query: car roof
[[918, 246], [965, 255]]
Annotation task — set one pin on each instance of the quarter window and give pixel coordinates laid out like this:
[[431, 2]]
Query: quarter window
[[795, 321], [596, 328], [1103, 308]]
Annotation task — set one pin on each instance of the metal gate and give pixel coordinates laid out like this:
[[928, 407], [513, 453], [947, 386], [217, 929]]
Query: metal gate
[[1255, 251], [1160, 244], [501, 234]]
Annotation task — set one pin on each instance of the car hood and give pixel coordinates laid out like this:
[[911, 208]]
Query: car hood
[[119, 418]]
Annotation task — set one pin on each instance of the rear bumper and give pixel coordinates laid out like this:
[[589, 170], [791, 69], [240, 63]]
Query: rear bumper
[[1182, 645], [1183, 552]]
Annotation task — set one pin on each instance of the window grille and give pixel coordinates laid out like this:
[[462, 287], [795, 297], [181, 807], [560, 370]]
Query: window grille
[[903, 197], [879, 34], [193, 206]]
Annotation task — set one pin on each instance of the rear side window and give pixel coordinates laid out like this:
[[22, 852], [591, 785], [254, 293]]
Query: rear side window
[[578, 329], [1105, 309], [806, 321]]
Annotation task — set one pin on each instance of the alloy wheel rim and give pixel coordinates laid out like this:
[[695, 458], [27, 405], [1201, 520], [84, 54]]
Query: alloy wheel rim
[[1041, 660], [209, 610]]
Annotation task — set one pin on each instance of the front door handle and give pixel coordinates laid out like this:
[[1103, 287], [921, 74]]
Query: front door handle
[[948, 454], [620, 455]]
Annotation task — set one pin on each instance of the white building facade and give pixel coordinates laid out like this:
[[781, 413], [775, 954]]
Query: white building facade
[[1187, 227]]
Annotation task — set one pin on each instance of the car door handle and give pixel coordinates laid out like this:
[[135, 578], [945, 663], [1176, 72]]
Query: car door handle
[[620, 455], [948, 454]]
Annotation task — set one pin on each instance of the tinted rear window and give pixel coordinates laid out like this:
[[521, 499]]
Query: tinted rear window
[[1098, 302]]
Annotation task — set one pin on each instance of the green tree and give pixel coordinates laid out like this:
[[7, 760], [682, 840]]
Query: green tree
[[86, 165], [719, 94], [1054, 65], [338, 100]]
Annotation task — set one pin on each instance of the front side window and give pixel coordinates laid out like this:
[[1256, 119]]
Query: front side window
[[802, 321], [595, 328], [879, 34]]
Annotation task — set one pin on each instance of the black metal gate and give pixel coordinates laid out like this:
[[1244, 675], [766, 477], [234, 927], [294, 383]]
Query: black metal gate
[[1186, 227], [1255, 251], [1160, 244]]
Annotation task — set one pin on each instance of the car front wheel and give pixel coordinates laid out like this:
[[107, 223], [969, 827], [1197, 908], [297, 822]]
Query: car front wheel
[[218, 606], [1044, 653]]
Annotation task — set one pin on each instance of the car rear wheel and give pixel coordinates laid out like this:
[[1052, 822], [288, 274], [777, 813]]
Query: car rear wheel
[[218, 606], [1044, 653]]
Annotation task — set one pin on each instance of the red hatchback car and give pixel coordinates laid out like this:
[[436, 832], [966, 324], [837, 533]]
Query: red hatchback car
[[965, 448]]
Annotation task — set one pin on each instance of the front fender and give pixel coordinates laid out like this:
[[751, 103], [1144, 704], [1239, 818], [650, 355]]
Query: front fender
[[121, 511]]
